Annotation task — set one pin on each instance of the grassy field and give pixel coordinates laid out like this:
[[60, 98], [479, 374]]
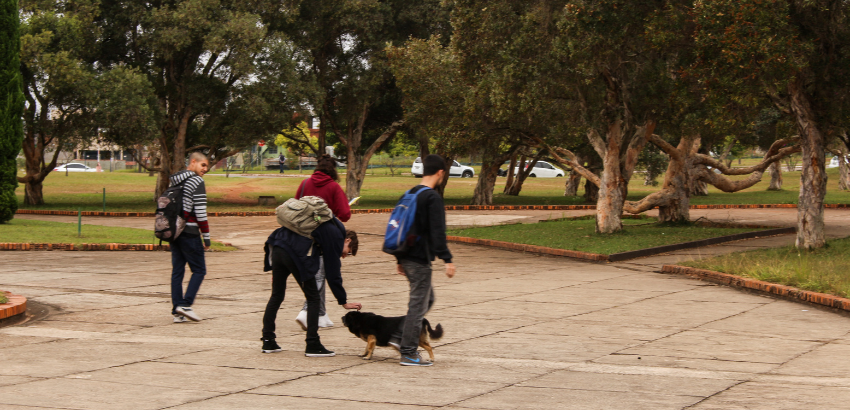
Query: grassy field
[[825, 270], [579, 235], [129, 191], [32, 231]]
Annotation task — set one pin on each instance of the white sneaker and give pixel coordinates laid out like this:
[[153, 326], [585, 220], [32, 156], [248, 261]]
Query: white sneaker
[[188, 312], [325, 321], [302, 319], [180, 318]]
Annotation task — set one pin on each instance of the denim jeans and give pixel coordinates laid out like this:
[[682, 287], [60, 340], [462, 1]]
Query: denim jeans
[[282, 266], [186, 249], [320, 283], [421, 300]]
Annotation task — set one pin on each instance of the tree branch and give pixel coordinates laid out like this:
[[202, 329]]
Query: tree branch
[[389, 133], [775, 153], [138, 159], [653, 200], [597, 142], [568, 158]]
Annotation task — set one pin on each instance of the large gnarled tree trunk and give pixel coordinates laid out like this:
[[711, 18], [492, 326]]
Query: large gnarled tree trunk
[[775, 171], [491, 161], [358, 163], [524, 170], [810, 223], [687, 165], [572, 183], [36, 169], [618, 167]]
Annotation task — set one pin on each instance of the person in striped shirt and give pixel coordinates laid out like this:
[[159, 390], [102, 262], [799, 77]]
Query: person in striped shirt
[[187, 248]]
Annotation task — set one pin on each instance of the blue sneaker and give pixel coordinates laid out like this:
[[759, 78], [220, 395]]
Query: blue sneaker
[[414, 360]]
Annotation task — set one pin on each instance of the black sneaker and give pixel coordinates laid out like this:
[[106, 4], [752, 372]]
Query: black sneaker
[[414, 360], [318, 351], [270, 346]]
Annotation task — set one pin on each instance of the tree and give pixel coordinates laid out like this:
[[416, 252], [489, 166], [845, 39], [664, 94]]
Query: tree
[[609, 73], [643, 77], [11, 107], [427, 73], [220, 76], [342, 44], [57, 45], [298, 139], [795, 53]]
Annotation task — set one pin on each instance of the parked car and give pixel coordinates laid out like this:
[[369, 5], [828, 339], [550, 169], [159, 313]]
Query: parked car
[[74, 167], [457, 170], [541, 169]]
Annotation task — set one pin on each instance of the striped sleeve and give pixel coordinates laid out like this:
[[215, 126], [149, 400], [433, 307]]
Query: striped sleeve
[[195, 202]]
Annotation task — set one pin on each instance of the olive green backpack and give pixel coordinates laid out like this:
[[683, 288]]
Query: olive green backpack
[[304, 215]]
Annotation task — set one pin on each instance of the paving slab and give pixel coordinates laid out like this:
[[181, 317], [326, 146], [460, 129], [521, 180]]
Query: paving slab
[[266, 402], [410, 389], [764, 396], [68, 393], [522, 398], [200, 377]]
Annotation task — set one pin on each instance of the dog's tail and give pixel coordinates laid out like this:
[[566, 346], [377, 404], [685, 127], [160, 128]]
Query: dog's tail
[[436, 332]]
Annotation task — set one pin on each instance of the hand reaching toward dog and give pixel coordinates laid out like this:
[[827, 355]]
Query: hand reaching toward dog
[[353, 305]]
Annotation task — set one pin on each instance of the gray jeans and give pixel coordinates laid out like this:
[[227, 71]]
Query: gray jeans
[[421, 300], [320, 283]]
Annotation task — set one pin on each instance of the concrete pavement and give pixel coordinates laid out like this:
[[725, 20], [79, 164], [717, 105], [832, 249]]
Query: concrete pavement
[[521, 332]]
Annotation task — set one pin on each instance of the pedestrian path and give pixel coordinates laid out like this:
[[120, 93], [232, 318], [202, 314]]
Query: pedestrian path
[[521, 332]]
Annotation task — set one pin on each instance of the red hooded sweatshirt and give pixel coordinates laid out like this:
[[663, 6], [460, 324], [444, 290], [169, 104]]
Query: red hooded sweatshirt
[[323, 186]]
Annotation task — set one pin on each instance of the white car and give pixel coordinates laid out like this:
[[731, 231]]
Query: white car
[[834, 162], [543, 169], [456, 170], [74, 167]]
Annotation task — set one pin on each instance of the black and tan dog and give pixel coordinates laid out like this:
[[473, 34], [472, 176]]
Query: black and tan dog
[[376, 330]]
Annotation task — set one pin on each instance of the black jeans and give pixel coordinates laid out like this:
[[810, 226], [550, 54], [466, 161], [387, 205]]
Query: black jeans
[[186, 249], [282, 266]]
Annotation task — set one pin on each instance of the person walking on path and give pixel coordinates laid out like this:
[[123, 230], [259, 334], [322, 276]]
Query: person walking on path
[[415, 263], [282, 160], [187, 248], [323, 184], [290, 253]]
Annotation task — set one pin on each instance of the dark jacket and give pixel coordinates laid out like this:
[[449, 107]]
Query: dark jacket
[[194, 203], [328, 241], [323, 186], [430, 226]]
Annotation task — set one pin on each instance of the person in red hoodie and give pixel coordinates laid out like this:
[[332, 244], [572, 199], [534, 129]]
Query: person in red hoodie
[[323, 184]]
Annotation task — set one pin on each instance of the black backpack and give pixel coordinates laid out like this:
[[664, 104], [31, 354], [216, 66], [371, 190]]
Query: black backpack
[[169, 214]]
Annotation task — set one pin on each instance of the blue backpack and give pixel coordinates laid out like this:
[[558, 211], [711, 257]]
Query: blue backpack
[[398, 238]]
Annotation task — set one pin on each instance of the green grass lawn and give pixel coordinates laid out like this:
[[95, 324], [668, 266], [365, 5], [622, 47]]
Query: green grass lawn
[[133, 192], [579, 235], [33, 231], [825, 270]]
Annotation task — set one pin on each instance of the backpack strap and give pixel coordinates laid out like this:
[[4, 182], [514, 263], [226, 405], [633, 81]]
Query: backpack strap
[[303, 187]]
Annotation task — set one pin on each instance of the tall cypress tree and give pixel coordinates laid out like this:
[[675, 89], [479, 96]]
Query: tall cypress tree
[[11, 107]]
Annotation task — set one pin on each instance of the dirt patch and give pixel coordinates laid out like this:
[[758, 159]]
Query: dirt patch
[[234, 195]]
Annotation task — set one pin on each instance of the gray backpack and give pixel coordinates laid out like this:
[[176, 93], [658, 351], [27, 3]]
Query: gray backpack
[[304, 215]]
